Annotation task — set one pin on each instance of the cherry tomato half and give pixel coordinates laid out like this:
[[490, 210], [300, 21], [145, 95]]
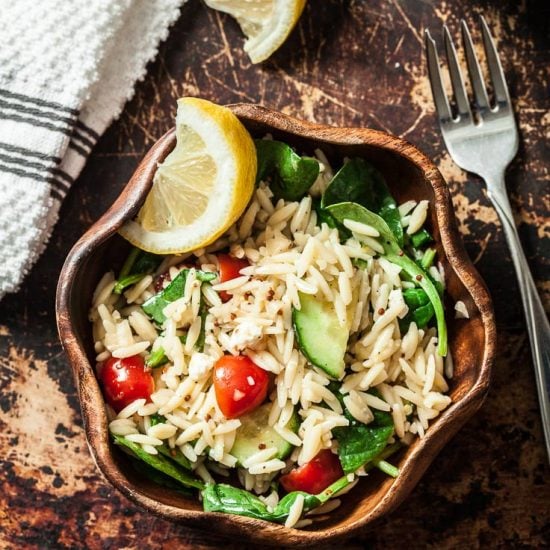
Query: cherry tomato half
[[314, 476], [230, 268], [125, 380], [240, 385]]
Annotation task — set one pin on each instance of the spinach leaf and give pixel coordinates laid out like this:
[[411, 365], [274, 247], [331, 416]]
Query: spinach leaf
[[176, 455], [421, 310], [280, 513], [360, 443], [394, 254], [354, 182], [428, 258], [420, 238], [360, 182], [291, 175], [154, 305], [232, 500], [158, 477], [157, 419], [387, 468], [323, 216], [359, 263], [138, 264], [380, 462], [422, 315], [415, 297], [332, 490], [158, 357], [203, 312], [160, 463]]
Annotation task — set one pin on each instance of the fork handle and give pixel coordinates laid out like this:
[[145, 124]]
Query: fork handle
[[535, 316]]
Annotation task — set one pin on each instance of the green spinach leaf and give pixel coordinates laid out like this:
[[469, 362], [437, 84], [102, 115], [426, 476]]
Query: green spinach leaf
[[291, 175], [360, 443], [138, 264], [160, 463], [280, 513], [154, 306], [203, 312], [428, 258], [176, 455], [420, 238], [158, 357], [415, 297], [232, 500], [359, 182], [158, 477], [157, 419]]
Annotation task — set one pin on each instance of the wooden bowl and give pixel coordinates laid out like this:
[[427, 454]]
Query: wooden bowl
[[410, 175]]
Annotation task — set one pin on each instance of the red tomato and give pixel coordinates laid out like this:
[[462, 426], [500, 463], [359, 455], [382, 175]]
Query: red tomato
[[314, 476], [240, 385], [230, 268], [125, 380]]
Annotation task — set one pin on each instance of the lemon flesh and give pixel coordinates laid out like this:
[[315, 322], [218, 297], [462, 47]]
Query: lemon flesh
[[266, 23], [202, 186]]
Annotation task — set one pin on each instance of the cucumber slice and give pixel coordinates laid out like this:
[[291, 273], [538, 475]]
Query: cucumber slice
[[320, 337], [254, 434]]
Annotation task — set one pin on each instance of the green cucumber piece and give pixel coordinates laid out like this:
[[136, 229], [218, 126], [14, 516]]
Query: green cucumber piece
[[320, 337], [254, 434]]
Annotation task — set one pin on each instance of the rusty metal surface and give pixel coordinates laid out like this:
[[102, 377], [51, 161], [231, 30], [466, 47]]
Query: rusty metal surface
[[354, 63]]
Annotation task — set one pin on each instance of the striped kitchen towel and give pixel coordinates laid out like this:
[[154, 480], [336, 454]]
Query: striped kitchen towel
[[66, 70]]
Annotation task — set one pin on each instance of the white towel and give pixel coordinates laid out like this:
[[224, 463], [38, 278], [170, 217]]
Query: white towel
[[66, 69]]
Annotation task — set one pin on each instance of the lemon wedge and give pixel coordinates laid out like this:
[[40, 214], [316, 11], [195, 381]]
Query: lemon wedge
[[202, 186], [266, 23]]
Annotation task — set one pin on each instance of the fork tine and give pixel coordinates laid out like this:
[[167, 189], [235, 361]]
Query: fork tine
[[434, 72], [457, 82], [478, 85], [495, 68]]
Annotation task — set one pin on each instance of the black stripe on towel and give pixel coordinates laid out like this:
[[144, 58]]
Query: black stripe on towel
[[33, 111], [86, 129], [24, 162], [37, 122], [86, 141], [39, 102], [57, 194], [62, 177], [80, 150], [22, 173], [8, 147], [35, 171]]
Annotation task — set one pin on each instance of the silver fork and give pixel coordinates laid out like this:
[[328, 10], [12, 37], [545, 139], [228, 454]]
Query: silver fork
[[485, 146]]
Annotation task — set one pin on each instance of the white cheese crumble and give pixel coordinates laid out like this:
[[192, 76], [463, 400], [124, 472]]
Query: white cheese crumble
[[244, 336], [200, 365]]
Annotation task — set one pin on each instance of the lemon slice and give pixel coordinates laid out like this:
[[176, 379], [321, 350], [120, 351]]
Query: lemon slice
[[266, 23], [202, 186]]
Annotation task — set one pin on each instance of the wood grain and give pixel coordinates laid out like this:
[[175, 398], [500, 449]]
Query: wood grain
[[348, 63]]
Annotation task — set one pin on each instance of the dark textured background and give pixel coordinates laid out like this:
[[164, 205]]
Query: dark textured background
[[354, 63]]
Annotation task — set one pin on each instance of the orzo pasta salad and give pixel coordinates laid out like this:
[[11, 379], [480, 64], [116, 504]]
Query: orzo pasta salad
[[267, 372]]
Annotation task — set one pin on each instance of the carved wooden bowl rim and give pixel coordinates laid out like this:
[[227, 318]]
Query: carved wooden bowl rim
[[418, 456]]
